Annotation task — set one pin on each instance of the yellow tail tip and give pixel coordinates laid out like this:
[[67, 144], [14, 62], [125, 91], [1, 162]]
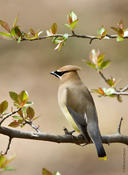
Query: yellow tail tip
[[105, 158]]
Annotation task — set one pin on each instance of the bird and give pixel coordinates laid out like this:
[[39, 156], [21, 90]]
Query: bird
[[77, 105]]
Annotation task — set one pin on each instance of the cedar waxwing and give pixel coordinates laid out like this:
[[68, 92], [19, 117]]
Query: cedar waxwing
[[78, 106]]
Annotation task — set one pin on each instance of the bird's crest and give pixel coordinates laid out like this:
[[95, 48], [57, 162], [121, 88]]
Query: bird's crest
[[69, 68]]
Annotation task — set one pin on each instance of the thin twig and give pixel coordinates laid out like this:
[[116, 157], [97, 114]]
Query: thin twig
[[124, 89], [102, 75], [74, 35], [119, 127], [10, 114], [119, 92], [36, 128], [8, 146], [67, 132]]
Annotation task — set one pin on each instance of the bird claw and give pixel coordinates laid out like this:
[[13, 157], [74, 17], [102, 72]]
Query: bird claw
[[68, 132], [80, 136]]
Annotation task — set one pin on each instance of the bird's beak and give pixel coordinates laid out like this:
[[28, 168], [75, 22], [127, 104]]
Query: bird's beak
[[53, 73]]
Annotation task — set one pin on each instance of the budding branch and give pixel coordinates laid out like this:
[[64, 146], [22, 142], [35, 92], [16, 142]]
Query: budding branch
[[74, 35]]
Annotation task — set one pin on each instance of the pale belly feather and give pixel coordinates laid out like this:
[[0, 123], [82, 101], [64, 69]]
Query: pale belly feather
[[69, 117]]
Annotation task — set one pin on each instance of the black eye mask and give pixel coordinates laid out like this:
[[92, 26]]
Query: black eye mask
[[60, 73]]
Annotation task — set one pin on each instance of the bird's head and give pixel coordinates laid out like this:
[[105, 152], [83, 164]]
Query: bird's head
[[65, 70]]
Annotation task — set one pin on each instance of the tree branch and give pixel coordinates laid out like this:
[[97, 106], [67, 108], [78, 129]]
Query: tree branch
[[74, 35], [107, 139], [124, 89], [102, 76], [8, 146], [9, 114], [117, 92], [119, 127], [36, 128], [120, 93]]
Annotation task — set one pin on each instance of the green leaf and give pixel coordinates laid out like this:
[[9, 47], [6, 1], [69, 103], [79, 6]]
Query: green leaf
[[14, 96], [72, 20], [119, 98], [73, 16], [15, 21], [100, 60], [65, 36], [68, 26], [73, 25], [29, 103], [104, 64], [17, 117], [57, 173], [2, 161], [30, 112], [54, 28], [19, 40], [8, 168], [21, 122], [32, 32], [111, 82], [58, 47], [35, 118], [24, 109], [23, 96], [102, 32], [49, 33], [3, 106], [14, 124], [46, 172], [91, 64], [15, 31], [57, 40], [94, 54], [5, 25], [119, 39], [5, 34], [119, 30]]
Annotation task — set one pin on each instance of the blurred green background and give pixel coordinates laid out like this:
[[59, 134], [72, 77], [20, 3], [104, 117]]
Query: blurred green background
[[27, 66]]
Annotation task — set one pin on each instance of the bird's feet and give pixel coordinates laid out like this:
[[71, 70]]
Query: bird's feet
[[67, 132], [80, 136]]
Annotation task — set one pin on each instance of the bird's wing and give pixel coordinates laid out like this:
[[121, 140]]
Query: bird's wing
[[80, 122], [82, 109], [77, 117]]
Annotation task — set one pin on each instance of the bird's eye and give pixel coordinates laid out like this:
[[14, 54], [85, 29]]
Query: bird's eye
[[60, 73]]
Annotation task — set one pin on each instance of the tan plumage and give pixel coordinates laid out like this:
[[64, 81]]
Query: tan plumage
[[78, 106]]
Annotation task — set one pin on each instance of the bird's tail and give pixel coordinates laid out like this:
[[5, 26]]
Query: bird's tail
[[100, 149], [95, 136]]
